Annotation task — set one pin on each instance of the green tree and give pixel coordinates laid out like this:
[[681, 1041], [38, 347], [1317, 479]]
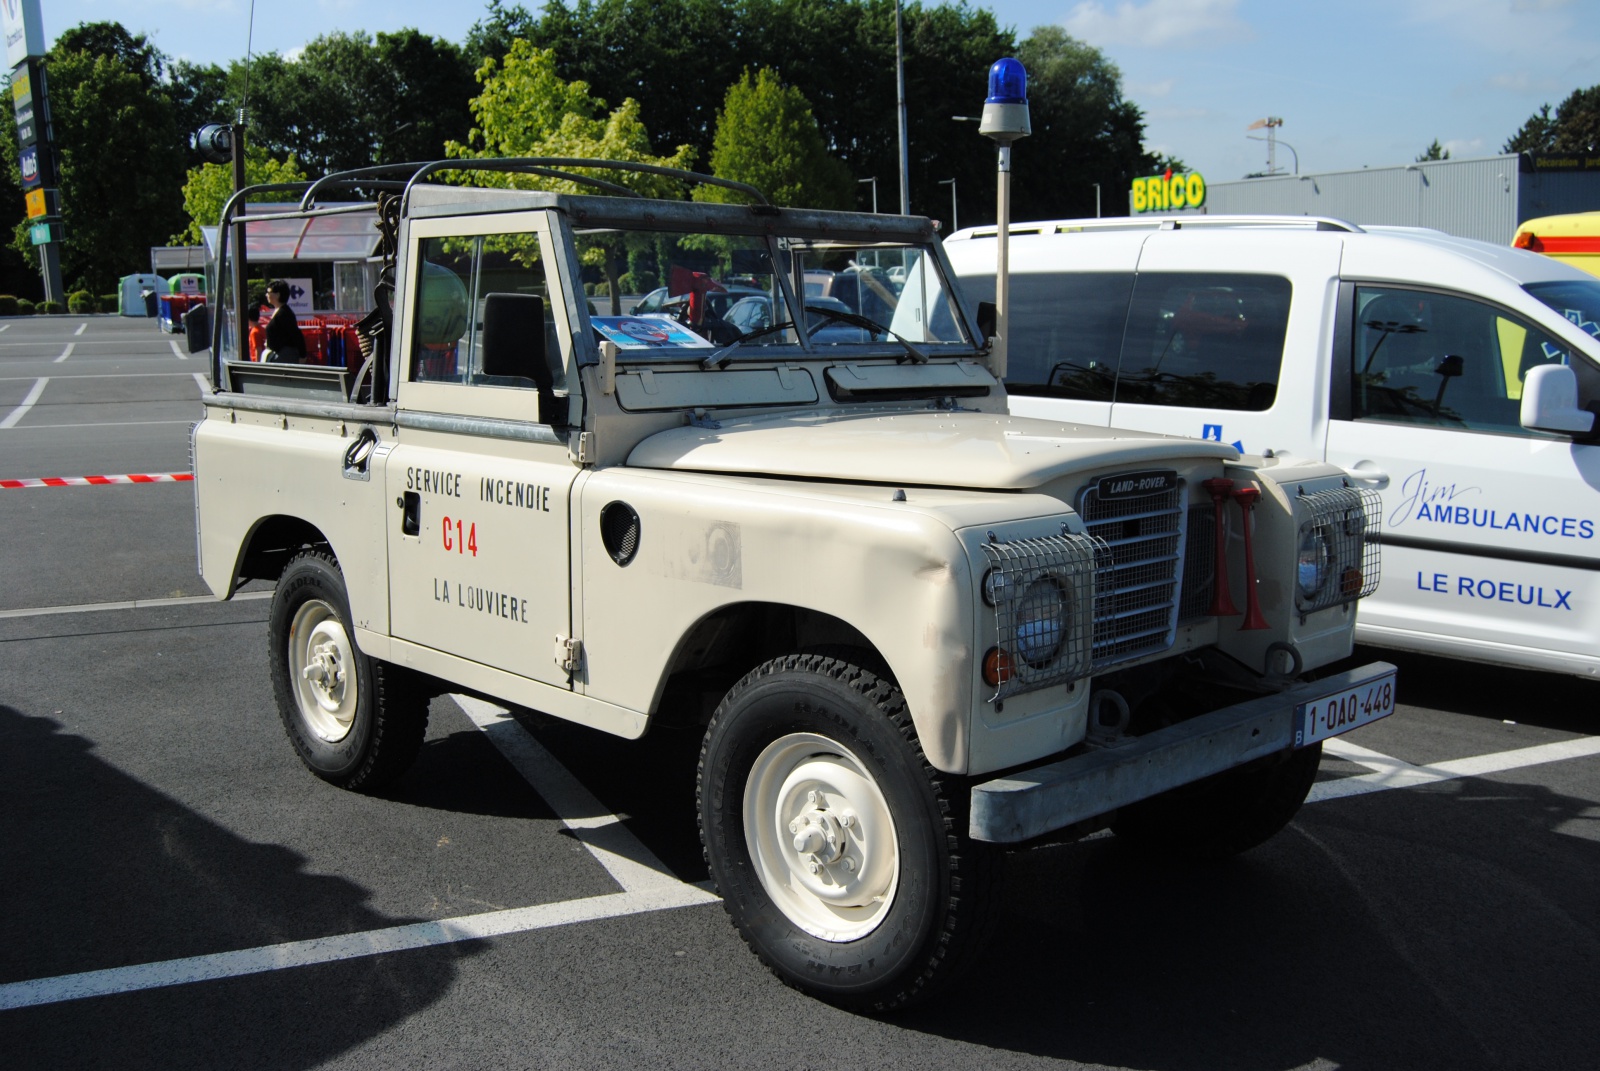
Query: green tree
[[527, 109], [1574, 128], [352, 100], [209, 186], [121, 155], [767, 137], [1084, 131], [1536, 135], [1433, 152]]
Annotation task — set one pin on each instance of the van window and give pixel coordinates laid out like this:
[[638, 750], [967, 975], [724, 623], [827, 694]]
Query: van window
[[1207, 340], [1066, 329], [1442, 360]]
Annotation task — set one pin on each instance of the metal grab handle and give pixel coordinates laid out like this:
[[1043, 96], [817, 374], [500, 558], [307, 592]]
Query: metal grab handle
[[1373, 475]]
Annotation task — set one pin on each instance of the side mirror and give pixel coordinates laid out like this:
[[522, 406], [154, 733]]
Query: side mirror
[[987, 318], [197, 328], [1550, 401]]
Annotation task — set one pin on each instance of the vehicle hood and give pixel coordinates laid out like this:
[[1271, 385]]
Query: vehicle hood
[[925, 449]]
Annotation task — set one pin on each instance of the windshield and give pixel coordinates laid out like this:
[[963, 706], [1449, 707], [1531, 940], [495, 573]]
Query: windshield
[[675, 295], [898, 287], [1576, 299]]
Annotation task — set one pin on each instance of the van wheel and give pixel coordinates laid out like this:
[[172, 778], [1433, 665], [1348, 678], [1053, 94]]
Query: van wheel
[[354, 721], [840, 853], [1225, 814]]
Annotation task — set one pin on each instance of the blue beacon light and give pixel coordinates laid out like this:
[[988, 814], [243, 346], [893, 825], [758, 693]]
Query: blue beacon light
[[1008, 83], [1005, 111]]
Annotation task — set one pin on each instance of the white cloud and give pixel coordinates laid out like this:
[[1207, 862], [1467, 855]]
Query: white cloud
[[1543, 34], [1162, 88], [1158, 23], [1520, 82], [1463, 147], [1178, 113], [292, 55]]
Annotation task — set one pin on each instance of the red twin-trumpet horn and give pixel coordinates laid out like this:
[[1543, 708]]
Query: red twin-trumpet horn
[[1221, 599]]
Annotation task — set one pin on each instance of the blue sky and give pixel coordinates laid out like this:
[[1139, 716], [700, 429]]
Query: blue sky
[[1357, 83]]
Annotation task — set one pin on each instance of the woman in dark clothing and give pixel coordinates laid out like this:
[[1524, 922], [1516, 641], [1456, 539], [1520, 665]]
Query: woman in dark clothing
[[284, 340]]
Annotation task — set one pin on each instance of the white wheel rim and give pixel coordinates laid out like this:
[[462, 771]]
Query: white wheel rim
[[322, 671], [821, 836]]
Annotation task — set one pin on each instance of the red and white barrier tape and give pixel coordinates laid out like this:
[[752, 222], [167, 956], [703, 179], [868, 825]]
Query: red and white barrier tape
[[97, 481]]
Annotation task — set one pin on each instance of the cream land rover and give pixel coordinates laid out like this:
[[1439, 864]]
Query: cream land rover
[[914, 627]]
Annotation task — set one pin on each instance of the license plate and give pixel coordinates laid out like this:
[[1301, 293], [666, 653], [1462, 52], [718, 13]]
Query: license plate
[[1339, 712]]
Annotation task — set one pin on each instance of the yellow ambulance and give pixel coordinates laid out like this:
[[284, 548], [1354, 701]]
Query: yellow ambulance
[[1574, 239]]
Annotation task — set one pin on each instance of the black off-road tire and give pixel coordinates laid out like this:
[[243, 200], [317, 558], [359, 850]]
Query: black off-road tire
[[386, 718], [939, 909], [1225, 814]]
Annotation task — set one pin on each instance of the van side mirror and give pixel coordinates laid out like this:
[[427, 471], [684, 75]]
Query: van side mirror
[[987, 319], [1550, 401], [197, 328]]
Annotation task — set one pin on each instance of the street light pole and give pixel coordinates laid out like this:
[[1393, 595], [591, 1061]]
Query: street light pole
[[874, 181], [1005, 119], [955, 223], [900, 89], [1096, 200]]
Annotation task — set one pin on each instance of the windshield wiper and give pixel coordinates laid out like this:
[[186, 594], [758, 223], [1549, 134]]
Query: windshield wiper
[[866, 324], [718, 358]]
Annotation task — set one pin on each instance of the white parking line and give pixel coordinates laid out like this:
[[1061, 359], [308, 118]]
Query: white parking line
[[5, 327], [104, 375], [205, 384], [27, 403], [1389, 772], [103, 424], [646, 886], [81, 329], [66, 352], [130, 604], [176, 351]]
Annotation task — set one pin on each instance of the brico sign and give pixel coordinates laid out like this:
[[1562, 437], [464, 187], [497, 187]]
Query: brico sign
[[1163, 193]]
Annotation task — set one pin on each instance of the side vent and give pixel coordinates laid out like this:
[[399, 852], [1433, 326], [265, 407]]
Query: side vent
[[619, 531]]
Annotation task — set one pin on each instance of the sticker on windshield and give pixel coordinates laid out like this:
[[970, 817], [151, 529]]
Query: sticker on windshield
[[647, 332]]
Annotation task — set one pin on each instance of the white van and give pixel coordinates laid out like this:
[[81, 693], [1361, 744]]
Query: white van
[[1438, 371]]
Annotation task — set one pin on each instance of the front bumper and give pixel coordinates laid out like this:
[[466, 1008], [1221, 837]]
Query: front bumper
[[1032, 802]]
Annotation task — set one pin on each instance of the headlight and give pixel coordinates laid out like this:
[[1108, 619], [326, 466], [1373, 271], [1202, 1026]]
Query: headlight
[[1041, 615], [1314, 562]]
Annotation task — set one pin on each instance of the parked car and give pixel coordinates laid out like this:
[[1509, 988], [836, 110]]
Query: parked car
[[1420, 363]]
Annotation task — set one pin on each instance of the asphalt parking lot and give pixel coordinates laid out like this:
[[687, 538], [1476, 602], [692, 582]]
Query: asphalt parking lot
[[180, 893]]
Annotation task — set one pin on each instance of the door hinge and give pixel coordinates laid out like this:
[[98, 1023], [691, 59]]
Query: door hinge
[[569, 654], [586, 448]]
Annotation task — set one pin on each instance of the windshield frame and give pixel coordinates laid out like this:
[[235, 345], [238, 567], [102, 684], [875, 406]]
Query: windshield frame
[[586, 216]]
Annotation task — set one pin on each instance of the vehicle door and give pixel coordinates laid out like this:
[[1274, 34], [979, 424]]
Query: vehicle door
[[1489, 529], [1227, 337], [480, 477]]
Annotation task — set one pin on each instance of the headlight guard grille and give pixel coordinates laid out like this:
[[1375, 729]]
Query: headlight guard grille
[[1348, 519], [1015, 567]]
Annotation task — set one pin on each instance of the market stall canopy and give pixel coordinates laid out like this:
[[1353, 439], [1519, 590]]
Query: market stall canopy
[[343, 236]]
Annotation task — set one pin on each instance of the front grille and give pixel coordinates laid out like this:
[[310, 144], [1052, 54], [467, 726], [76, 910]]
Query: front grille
[[1337, 557], [1199, 564], [1040, 590], [1137, 575]]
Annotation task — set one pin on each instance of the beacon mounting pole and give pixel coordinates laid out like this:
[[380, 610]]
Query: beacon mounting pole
[[1005, 119]]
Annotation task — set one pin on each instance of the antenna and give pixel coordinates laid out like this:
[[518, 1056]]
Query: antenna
[[1272, 123], [249, 44]]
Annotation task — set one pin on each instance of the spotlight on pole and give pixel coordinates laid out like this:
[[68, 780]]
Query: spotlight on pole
[[214, 142], [1005, 119]]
